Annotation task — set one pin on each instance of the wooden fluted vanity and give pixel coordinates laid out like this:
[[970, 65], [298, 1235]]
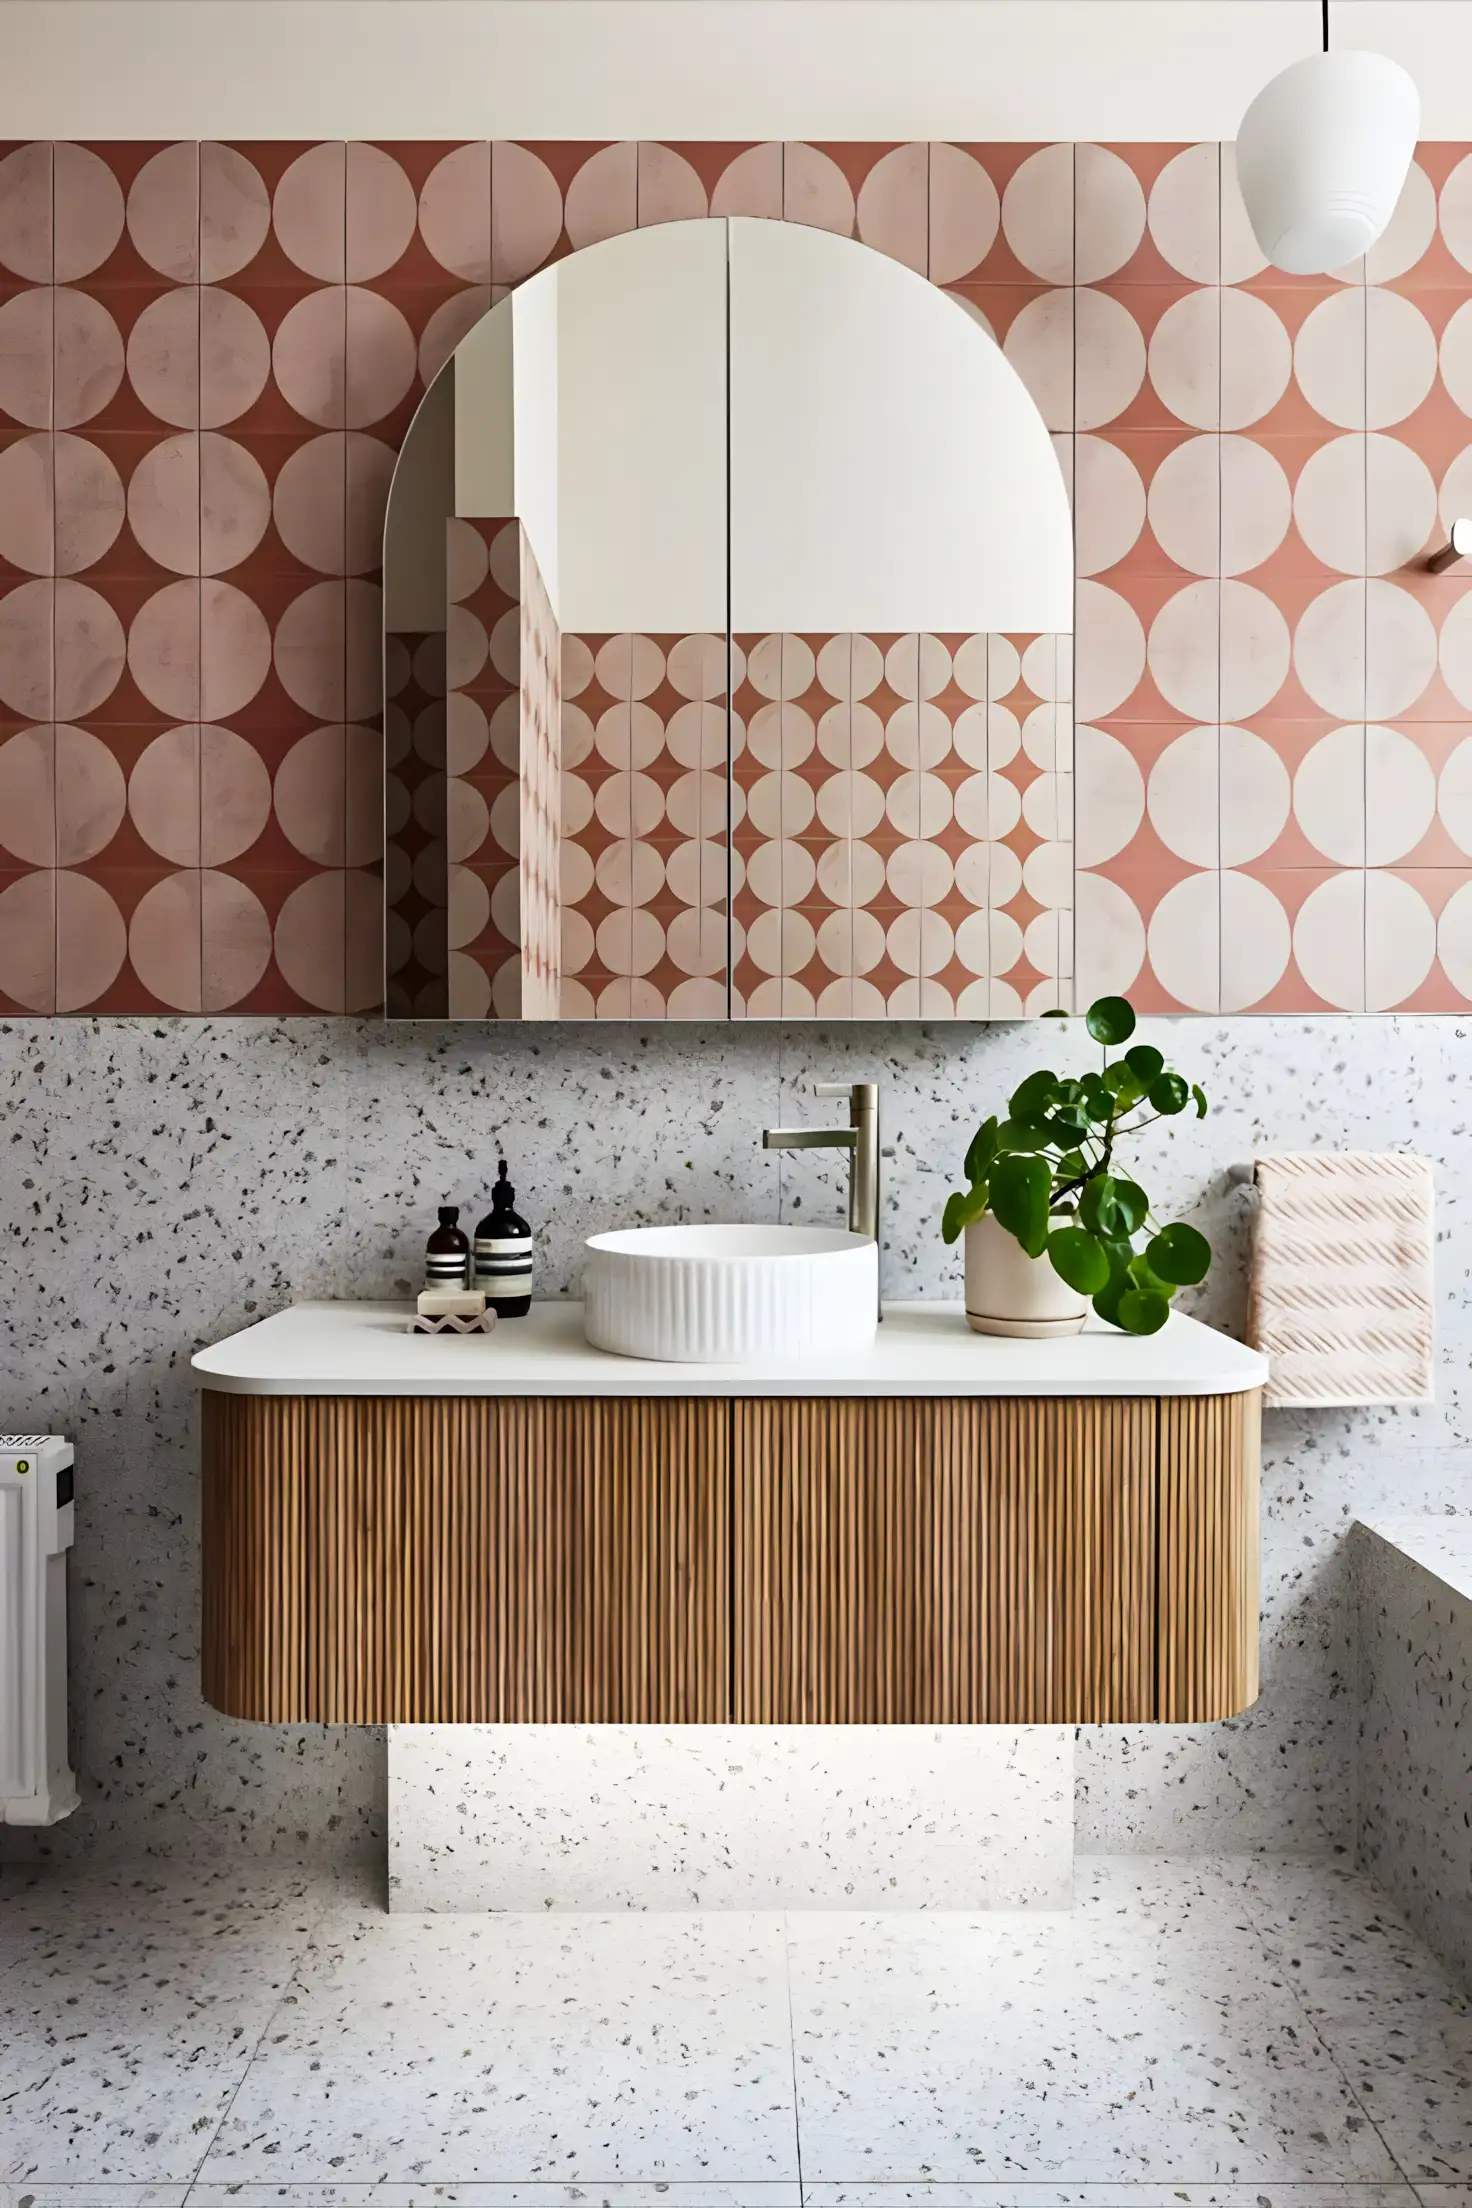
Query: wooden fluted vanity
[[946, 1530]]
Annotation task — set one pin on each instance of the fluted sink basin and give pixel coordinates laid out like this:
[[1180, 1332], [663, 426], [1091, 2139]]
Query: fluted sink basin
[[728, 1295]]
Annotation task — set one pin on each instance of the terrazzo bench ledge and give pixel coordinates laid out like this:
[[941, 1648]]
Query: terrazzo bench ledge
[[1414, 1587]]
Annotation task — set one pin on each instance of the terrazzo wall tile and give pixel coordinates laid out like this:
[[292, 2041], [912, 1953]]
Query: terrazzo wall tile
[[1414, 1585], [170, 1181]]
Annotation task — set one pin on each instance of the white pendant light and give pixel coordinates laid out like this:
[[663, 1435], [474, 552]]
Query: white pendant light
[[1322, 154]]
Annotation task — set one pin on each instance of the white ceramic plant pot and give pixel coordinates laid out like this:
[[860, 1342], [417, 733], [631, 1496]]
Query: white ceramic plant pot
[[1008, 1292]]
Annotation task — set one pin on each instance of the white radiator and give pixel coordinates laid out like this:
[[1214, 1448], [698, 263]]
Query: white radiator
[[36, 1515]]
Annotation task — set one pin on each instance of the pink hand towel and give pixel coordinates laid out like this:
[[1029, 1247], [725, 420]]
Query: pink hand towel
[[1341, 1291]]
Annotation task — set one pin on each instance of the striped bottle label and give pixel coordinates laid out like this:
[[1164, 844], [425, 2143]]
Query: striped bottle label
[[445, 1269], [503, 1266]]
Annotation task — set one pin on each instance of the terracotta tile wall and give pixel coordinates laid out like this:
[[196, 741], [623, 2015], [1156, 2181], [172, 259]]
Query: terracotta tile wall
[[209, 354]]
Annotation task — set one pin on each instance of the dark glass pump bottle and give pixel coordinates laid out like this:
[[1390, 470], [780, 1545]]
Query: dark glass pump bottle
[[503, 1254]]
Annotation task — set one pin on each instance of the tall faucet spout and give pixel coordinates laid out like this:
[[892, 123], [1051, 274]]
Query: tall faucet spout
[[860, 1139]]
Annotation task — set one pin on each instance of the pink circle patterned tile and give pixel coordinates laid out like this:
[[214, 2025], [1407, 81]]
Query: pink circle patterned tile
[[25, 212], [89, 646], [234, 358], [455, 213], [163, 503], [309, 503], [236, 947], [28, 797], [234, 503], [164, 650], [27, 516], [235, 796], [234, 651], [312, 942], [602, 199], [311, 653], [317, 785], [1038, 214], [91, 942], [88, 212], [1108, 213], [1040, 346], [28, 941], [382, 212], [163, 212], [526, 212], [670, 189], [965, 214], [89, 354], [164, 358], [165, 942], [309, 212], [892, 212], [751, 184], [25, 650], [26, 358], [382, 358], [234, 212], [163, 795], [1185, 213], [90, 794], [309, 357], [815, 190]]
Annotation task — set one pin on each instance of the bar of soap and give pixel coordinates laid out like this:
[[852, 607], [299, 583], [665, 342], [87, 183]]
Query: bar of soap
[[451, 1303]]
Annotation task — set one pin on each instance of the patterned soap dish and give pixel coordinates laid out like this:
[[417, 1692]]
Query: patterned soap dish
[[452, 1311], [448, 1323]]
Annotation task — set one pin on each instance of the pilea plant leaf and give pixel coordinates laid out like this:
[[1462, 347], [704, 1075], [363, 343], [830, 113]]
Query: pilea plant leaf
[[1110, 1020], [962, 1207], [1169, 1094], [1079, 1259], [983, 1149], [1047, 1171], [1142, 1311], [1180, 1255], [1020, 1191], [1033, 1096]]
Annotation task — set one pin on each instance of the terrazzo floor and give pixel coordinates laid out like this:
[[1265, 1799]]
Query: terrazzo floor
[[1230, 2033]]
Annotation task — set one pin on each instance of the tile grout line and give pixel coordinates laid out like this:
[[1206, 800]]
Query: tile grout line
[[792, 2047], [246, 2067], [1249, 1902]]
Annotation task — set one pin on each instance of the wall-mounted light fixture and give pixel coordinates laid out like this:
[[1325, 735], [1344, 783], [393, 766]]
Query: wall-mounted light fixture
[[1322, 154], [1457, 547]]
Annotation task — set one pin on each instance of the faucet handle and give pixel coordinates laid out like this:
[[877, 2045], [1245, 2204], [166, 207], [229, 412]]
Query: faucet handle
[[862, 1094]]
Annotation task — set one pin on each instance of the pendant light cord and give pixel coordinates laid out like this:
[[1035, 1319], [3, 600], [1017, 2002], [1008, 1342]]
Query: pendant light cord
[[1326, 26]]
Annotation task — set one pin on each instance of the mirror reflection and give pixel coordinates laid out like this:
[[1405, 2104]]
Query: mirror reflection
[[728, 583]]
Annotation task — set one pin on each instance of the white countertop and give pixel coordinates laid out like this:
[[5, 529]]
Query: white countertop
[[921, 1349]]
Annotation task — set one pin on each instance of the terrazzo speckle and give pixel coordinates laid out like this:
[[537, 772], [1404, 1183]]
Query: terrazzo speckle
[[265, 2037], [170, 1181], [730, 1817]]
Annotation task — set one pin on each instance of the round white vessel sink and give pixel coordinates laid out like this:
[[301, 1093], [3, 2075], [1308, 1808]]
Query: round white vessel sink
[[729, 1295]]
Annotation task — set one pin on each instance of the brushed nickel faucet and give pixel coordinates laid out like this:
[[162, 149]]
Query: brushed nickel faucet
[[860, 1138]]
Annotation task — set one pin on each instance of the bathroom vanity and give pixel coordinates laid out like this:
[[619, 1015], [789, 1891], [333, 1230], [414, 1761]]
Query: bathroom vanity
[[942, 1529]]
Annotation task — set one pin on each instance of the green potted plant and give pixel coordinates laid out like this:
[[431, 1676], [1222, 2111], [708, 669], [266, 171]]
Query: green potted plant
[[1051, 1222]]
